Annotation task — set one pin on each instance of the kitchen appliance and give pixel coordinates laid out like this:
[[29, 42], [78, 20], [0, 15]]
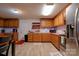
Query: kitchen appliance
[[2, 31], [76, 26], [72, 23], [53, 30], [70, 31], [63, 42]]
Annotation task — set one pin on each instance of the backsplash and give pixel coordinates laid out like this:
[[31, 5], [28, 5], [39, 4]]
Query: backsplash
[[7, 30], [0, 29], [46, 30], [61, 30]]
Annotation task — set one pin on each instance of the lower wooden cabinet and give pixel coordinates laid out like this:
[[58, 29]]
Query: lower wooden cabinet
[[36, 37], [45, 37], [30, 37], [55, 39], [39, 37]]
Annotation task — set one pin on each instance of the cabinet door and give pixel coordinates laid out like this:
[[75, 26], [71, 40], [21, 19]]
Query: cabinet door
[[56, 21], [61, 19], [45, 37], [30, 38], [6, 23], [55, 40], [1, 22], [47, 23], [10, 23], [37, 37], [13, 23], [43, 23], [50, 23]]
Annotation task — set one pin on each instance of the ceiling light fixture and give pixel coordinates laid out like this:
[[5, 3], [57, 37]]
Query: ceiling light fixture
[[16, 11], [47, 9]]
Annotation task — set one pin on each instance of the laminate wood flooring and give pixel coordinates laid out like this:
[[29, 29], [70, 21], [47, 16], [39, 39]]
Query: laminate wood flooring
[[36, 49]]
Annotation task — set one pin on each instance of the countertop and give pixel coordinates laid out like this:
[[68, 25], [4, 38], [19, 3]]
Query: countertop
[[59, 34], [3, 35], [49, 33]]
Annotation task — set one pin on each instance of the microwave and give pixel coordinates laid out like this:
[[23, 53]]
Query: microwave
[[52, 31]]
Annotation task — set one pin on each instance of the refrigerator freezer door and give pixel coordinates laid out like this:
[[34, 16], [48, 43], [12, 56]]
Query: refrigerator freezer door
[[76, 26]]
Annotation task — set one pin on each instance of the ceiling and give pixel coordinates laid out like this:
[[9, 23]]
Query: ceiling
[[28, 10]]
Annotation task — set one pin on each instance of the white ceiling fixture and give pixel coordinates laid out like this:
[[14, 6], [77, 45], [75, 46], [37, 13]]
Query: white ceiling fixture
[[16, 11], [47, 9]]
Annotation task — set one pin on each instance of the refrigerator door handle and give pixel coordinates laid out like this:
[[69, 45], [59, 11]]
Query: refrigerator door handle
[[75, 26]]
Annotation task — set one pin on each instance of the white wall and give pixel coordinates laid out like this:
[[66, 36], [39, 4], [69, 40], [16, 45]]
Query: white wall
[[24, 26]]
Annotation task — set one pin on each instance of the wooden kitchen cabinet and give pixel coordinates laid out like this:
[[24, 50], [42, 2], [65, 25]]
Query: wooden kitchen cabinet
[[55, 39], [30, 37], [45, 37], [11, 22], [37, 37], [1, 22], [46, 23], [6, 23], [56, 20], [59, 20]]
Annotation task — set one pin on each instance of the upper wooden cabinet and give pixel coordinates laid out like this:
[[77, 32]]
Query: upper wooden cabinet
[[6, 23], [1, 22], [14, 23], [46, 22], [56, 20], [60, 19], [9, 22]]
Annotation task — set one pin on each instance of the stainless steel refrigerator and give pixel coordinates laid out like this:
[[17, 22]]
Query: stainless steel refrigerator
[[72, 28], [72, 22]]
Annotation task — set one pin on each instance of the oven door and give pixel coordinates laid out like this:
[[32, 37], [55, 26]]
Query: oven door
[[63, 42]]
